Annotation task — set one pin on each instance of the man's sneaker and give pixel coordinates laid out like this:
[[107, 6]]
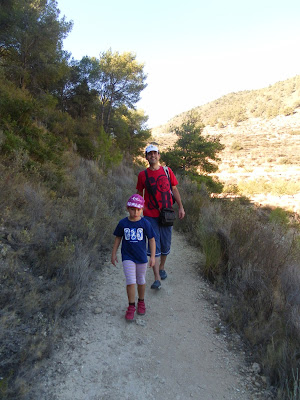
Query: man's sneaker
[[130, 313], [156, 285], [162, 274], [141, 308]]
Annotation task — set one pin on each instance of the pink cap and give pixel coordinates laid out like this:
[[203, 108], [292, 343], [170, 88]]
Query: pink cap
[[136, 201]]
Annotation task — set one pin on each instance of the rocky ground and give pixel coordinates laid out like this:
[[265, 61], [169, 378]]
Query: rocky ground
[[179, 350]]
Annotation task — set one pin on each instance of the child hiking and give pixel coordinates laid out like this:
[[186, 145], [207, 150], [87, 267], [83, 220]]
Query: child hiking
[[133, 231]]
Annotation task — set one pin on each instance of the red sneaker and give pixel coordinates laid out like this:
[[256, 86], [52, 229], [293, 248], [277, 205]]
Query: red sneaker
[[141, 308], [130, 313]]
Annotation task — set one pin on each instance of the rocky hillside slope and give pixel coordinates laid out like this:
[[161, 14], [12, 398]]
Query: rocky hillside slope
[[258, 151]]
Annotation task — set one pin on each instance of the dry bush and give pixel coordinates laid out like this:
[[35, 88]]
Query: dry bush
[[254, 262], [193, 200], [52, 240], [258, 256]]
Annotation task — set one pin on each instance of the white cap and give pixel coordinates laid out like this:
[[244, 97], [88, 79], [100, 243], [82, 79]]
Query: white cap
[[151, 147]]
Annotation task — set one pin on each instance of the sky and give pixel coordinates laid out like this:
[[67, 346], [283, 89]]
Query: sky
[[194, 51]]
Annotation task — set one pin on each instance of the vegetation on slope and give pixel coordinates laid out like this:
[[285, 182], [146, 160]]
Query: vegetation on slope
[[193, 154], [252, 259], [63, 188], [50, 100], [282, 98], [52, 241], [65, 126]]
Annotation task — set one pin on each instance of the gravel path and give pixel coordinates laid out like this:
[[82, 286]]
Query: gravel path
[[173, 352]]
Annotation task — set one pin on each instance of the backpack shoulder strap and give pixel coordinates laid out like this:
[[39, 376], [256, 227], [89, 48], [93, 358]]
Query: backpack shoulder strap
[[166, 169], [167, 172]]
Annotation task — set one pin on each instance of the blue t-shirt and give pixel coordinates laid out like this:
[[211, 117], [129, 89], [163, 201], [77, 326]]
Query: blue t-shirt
[[134, 235]]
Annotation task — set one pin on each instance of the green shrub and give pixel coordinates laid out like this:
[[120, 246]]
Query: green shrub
[[21, 131], [231, 188], [213, 185], [211, 248], [279, 216], [12, 143], [15, 105]]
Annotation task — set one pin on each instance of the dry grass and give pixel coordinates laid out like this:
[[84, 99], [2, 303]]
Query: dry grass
[[253, 259], [51, 243]]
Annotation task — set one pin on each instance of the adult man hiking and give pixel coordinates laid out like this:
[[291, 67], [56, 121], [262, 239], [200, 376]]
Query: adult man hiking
[[159, 192]]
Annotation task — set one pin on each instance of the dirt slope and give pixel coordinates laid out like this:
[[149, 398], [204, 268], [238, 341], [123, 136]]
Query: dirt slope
[[256, 149], [173, 352]]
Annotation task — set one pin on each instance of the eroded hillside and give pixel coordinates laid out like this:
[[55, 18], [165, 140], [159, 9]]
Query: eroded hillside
[[257, 151]]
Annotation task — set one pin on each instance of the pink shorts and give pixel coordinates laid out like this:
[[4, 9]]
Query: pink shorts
[[134, 273]]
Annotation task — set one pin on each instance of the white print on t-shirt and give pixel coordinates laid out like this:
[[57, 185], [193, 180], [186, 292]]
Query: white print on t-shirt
[[133, 234], [140, 234], [127, 233]]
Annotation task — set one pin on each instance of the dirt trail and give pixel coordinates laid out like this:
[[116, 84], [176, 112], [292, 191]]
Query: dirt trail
[[173, 352]]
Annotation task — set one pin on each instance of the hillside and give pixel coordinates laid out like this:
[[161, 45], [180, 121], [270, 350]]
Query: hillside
[[282, 98], [262, 154]]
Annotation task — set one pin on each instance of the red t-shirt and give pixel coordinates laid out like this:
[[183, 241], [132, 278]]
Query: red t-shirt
[[160, 187]]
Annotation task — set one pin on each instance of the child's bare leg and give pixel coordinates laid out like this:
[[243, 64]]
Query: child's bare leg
[[131, 293], [141, 291]]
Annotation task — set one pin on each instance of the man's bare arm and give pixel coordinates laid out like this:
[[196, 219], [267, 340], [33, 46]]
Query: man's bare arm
[[176, 194]]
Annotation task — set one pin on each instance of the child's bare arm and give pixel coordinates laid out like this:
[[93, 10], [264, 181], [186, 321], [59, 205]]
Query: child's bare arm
[[116, 245], [152, 246]]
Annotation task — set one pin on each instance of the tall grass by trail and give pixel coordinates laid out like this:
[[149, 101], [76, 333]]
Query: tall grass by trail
[[254, 261], [53, 237]]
